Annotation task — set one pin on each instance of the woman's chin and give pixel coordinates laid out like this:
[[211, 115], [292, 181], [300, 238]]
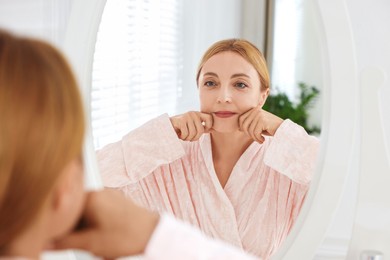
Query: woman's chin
[[225, 126]]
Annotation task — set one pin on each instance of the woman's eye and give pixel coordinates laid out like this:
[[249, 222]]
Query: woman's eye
[[241, 85], [209, 84]]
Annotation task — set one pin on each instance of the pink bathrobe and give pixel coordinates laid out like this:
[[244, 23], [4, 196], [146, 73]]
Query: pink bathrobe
[[261, 199]]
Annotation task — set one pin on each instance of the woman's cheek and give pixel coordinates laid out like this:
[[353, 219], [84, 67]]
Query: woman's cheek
[[247, 104], [205, 105]]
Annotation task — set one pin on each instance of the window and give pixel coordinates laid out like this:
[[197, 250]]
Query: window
[[137, 66]]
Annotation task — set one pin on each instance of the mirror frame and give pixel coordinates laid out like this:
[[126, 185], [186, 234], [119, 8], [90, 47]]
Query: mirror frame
[[338, 135], [337, 143]]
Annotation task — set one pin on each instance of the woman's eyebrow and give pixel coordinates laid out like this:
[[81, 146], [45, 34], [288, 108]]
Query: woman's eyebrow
[[237, 75], [210, 74]]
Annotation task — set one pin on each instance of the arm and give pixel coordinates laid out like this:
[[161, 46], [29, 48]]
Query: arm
[[113, 230], [139, 153], [293, 152]]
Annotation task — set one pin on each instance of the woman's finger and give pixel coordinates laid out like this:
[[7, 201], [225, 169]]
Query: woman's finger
[[260, 138], [191, 125], [195, 126], [199, 130], [241, 119], [79, 240], [207, 121], [253, 127], [249, 118], [183, 130]]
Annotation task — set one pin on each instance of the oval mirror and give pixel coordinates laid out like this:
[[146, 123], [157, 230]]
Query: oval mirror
[[337, 66]]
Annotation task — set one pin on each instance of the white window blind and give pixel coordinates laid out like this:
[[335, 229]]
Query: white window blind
[[137, 66]]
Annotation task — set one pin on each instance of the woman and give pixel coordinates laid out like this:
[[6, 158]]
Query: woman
[[41, 114], [41, 172], [237, 172]]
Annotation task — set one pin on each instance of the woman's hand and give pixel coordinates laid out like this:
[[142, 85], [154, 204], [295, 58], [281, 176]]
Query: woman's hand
[[113, 226], [191, 125], [257, 122]]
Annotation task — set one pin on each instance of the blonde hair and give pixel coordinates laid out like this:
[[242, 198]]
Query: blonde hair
[[246, 50], [42, 128]]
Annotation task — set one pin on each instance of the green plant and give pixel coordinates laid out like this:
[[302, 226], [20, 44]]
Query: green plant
[[280, 105]]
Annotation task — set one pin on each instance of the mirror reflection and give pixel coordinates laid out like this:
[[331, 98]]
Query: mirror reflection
[[197, 142]]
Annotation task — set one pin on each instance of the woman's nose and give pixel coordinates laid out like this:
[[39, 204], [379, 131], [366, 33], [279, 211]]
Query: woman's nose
[[224, 95]]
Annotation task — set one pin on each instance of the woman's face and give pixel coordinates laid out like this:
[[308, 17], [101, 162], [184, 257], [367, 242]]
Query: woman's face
[[228, 87]]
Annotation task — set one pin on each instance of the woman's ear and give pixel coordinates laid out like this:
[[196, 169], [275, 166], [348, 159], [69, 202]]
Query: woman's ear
[[67, 199], [263, 97]]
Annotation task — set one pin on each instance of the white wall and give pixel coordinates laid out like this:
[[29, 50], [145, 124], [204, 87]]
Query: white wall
[[46, 19], [370, 26], [204, 25], [253, 22]]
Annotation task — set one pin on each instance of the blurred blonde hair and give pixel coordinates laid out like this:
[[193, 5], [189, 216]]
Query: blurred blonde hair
[[41, 128], [246, 50]]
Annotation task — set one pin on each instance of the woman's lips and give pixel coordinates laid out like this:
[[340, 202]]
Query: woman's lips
[[224, 114]]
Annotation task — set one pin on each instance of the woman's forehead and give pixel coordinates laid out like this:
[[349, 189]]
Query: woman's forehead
[[228, 62]]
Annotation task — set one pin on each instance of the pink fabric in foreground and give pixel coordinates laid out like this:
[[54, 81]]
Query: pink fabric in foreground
[[256, 209], [174, 239]]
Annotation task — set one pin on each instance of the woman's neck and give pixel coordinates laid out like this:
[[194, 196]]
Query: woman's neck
[[227, 149], [229, 144]]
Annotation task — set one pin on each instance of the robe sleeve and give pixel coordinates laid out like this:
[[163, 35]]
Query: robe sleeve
[[293, 152], [173, 239], [139, 153]]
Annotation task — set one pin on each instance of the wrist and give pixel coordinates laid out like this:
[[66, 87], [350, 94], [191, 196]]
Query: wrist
[[278, 122], [273, 124]]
